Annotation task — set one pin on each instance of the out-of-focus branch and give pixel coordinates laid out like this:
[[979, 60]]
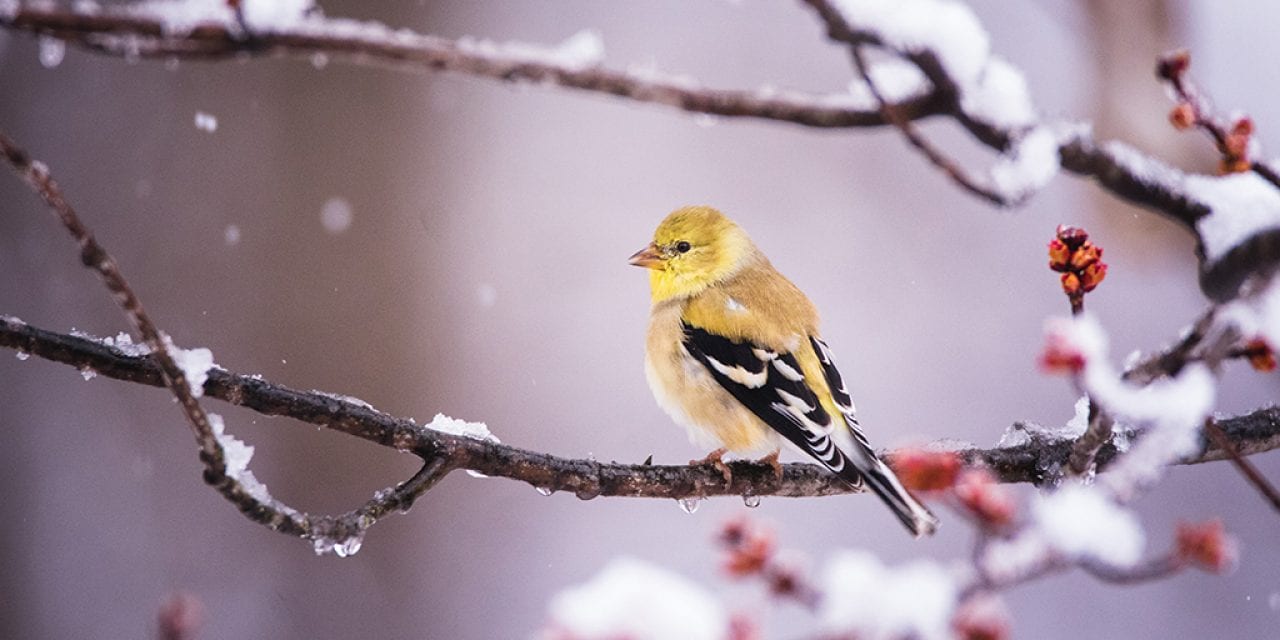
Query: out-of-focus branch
[[139, 35], [1251, 433]]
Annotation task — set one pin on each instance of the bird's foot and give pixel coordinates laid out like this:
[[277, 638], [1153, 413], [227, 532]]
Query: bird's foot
[[715, 459], [772, 461]]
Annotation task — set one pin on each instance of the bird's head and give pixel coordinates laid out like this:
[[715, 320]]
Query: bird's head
[[693, 248]]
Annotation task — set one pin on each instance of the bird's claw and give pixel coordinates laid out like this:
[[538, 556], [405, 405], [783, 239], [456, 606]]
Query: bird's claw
[[772, 461], [716, 459]]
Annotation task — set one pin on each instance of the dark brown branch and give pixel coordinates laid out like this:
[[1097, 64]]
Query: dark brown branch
[[1252, 433], [137, 35], [839, 29], [142, 36], [1250, 472], [251, 498]]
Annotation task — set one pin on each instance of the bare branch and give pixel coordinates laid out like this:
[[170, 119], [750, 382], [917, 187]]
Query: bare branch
[[1250, 472]]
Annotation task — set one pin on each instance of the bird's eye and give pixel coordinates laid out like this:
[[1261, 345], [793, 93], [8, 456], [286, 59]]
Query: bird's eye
[[683, 247]]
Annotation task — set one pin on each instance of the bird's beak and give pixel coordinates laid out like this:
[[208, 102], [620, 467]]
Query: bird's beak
[[648, 257]]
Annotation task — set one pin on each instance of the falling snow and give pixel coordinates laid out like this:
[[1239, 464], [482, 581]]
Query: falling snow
[[52, 50], [206, 122], [336, 215]]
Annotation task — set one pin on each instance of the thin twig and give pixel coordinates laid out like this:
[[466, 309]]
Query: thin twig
[[841, 30], [245, 493], [1250, 472]]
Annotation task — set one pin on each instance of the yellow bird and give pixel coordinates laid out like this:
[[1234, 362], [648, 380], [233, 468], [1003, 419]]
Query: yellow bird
[[733, 354]]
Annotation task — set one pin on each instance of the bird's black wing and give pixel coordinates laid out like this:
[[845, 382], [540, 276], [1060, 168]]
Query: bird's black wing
[[773, 387]]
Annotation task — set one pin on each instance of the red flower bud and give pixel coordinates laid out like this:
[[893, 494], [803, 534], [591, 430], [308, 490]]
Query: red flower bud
[[1070, 284], [1260, 355], [1173, 64], [1233, 165], [990, 502], [1207, 545], [1073, 237], [749, 548], [982, 617], [1093, 275], [1183, 116], [1059, 255], [1086, 255], [1242, 126], [926, 470], [1060, 356]]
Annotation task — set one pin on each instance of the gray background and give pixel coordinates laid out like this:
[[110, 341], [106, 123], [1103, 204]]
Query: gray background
[[467, 192]]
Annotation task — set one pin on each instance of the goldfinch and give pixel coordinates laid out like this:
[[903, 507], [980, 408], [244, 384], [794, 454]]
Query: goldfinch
[[733, 354]]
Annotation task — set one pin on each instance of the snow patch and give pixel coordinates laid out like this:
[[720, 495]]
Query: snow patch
[[949, 29], [1000, 96], [1082, 522], [865, 599], [453, 426], [1029, 165], [1243, 204], [636, 600], [582, 50], [1172, 409], [195, 365]]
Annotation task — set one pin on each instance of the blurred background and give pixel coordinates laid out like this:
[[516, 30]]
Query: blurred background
[[482, 274]]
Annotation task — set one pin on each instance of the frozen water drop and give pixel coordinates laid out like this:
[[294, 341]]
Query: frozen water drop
[[706, 120], [751, 501], [52, 51], [22, 355], [323, 546], [546, 491], [88, 374], [349, 547], [475, 474], [689, 505], [587, 494]]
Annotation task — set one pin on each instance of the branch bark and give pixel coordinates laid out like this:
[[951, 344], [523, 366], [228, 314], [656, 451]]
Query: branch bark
[[1252, 433]]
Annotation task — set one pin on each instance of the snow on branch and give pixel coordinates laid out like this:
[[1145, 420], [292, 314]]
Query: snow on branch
[[940, 67], [146, 31]]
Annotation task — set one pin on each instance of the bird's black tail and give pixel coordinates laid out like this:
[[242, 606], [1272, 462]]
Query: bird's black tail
[[875, 475]]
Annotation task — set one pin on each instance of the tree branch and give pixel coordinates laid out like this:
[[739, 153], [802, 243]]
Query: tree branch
[[1251, 433], [136, 34]]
